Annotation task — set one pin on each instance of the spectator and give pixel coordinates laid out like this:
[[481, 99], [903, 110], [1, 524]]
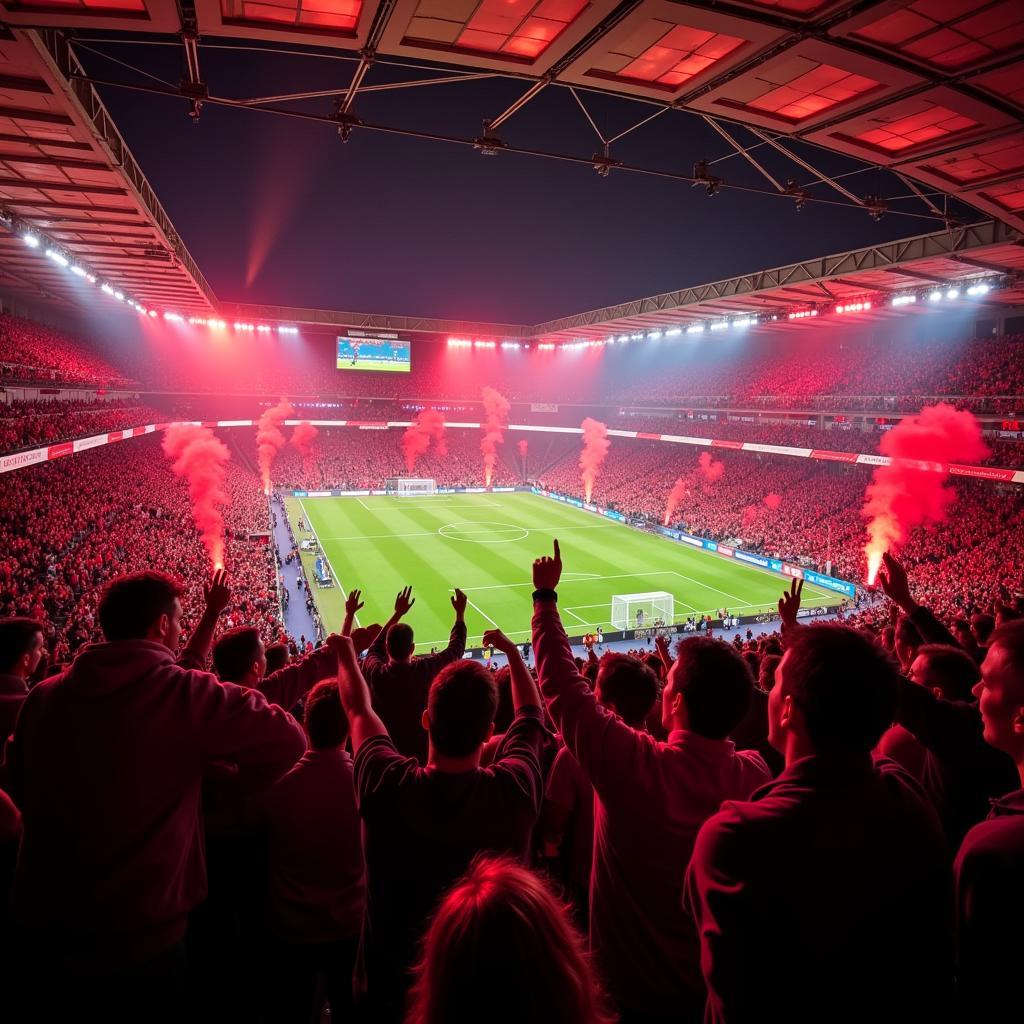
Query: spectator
[[651, 798], [836, 870], [501, 948], [106, 760], [315, 900], [441, 815], [22, 646], [399, 682], [990, 865]]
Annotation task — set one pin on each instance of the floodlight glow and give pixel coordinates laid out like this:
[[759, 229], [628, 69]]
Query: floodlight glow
[[77, 271], [744, 322], [152, 312], [217, 325], [953, 293], [623, 338], [119, 296], [637, 337], [934, 296], [978, 289], [674, 333], [510, 344], [105, 288], [57, 257], [91, 278], [904, 300], [719, 325], [30, 240], [459, 343], [172, 316], [287, 330], [654, 336], [695, 329], [546, 346]]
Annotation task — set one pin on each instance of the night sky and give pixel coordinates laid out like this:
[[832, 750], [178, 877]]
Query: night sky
[[277, 210]]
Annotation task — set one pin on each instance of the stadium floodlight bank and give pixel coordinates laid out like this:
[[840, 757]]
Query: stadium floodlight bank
[[642, 611], [405, 487]]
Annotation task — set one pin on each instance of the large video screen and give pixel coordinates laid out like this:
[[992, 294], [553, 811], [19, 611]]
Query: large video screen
[[374, 354]]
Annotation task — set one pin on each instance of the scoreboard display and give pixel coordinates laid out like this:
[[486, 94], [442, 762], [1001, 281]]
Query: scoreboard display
[[382, 354]]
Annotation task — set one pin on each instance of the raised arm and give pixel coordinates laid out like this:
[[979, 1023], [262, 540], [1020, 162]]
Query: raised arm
[[352, 606], [524, 689], [789, 606], [355, 694], [217, 596], [376, 656], [895, 584]]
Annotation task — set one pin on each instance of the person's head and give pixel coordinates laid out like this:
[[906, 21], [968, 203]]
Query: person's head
[[982, 625], [22, 644], [1004, 614], [501, 948], [906, 642], [766, 674], [142, 606], [947, 671], [325, 719], [708, 689], [460, 709], [277, 657], [400, 642], [835, 691], [1001, 691], [240, 657], [628, 687]]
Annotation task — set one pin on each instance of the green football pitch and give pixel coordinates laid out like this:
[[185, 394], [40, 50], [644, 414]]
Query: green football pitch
[[485, 544], [384, 365]]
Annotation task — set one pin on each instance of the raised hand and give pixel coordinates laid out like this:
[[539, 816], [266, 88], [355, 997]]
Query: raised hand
[[496, 638], [404, 602], [789, 604], [217, 593], [892, 578], [459, 601], [548, 571], [352, 602]]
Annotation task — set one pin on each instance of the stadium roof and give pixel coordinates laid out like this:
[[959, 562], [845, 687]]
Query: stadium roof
[[932, 90]]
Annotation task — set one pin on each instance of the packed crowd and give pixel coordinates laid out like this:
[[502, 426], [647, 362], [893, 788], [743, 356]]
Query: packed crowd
[[27, 424], [31, 352], [819, 824], [68, 526]]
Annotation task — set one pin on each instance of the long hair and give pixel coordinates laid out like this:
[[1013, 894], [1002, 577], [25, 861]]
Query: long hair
[[501, 948]]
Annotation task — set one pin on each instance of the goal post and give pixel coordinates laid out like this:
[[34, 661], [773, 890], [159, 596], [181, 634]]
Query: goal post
[[405, 486], [642, 611]]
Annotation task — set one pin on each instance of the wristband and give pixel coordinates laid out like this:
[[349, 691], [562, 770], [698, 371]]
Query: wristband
[[545, 595]]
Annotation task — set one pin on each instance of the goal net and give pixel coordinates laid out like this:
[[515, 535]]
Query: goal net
[[642, 611], [404, 487]]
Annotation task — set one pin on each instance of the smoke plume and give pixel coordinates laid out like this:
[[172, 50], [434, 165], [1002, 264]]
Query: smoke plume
[[911, 491], [496, 410], [709, 468], [269, 439], [595, 447], [680, 489], [302, 438], [773, 501], [426, 428], [202, 460], [749, 515]]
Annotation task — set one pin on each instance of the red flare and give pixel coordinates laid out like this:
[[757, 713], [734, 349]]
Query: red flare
[[524, 447], [202, 460], [911, 491], [680, 489], [709, 468], [426, 428], [496, 410], [302, 438], [269, 439], [595, 447]]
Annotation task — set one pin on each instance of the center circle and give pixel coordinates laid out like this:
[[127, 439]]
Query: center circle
[[484, 532]]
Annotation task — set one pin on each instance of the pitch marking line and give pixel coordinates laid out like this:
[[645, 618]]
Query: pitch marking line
[[483, 613], [334, 575]]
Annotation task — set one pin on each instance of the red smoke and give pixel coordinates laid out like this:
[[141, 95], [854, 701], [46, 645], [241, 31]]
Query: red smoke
[[496, 410], [269, 439], [680, 489], [302, 438], [595, 447], [710, 469], [427, 427], [202, 460], [773, 501], [912, 490], [749, 515], [524, 447]]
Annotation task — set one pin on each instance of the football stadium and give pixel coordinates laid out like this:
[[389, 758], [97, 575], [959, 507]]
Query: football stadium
[[511, 511]]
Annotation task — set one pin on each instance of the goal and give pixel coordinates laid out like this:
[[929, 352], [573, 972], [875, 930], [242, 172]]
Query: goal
[[404, 486], [642, 611]]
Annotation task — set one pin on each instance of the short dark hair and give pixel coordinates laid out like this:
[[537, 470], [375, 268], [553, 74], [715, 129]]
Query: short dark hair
[[130, 605], [907, 633], [1010, 636], [716, 684], [769, 663], [399, 641], [461, 706], [325, 719], [16, 637], [983, 624], [628, 685], [957, 669], [846, 686], [234, 653], [277, 657]]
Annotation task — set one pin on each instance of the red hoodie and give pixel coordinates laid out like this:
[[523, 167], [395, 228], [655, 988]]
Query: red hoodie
[[106, 763]]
